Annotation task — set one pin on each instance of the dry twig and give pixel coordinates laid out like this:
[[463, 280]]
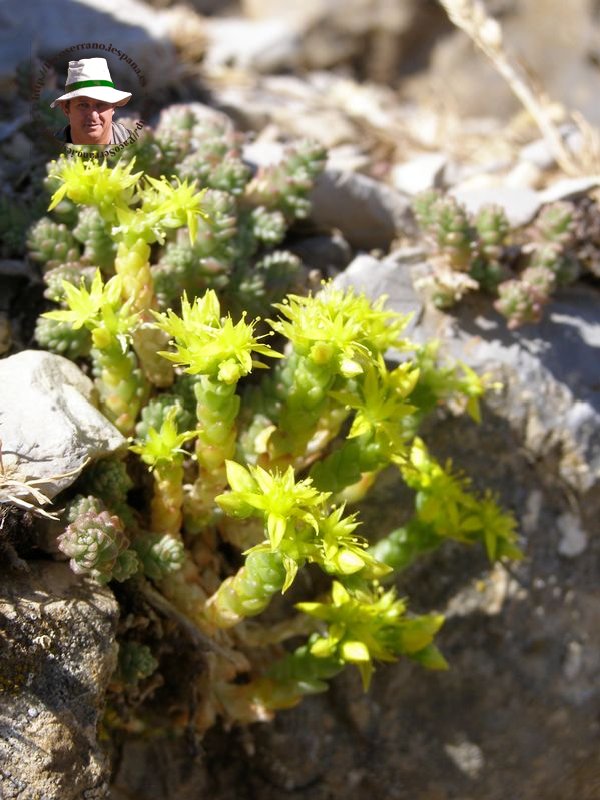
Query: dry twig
[[471, 16]]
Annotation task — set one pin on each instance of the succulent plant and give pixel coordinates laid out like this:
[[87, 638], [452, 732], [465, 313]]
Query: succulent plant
[[555, 243], [108, 480], [52, 244], [522, 301], [61, 338], [205, 332], [96, 544], [159, 554], [99, 247], [83, 504], [556, 223], [136, 662], [492, 228]]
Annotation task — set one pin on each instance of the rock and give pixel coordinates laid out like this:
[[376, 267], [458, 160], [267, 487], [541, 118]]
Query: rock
[[539, 152], [289, 105], [550, 397], [5, 333], [420, 173], [574, 539], [520, 205], [368, 213], [260, 45], [129, 25], [390, 277], [262, 153], [328, 254], [265, 46], [348, 158], [555, 54], [161, 769], [49, 428], [568, 188], [524, 175], [378, 32], [467, 756], [57, 652]]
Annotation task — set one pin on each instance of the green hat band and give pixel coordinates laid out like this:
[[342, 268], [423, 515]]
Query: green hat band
[[70, 87]]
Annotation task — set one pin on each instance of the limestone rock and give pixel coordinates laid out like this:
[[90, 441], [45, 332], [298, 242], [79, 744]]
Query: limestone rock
[[57, 652], [49, 427], [520, 205], [550, 396], [420, 173], [46, 29], [288, 104], [368, 213], [552, 39], [331, 33], [568, 188], [261, 45], [329, 255], [390, 277], [539, 152]]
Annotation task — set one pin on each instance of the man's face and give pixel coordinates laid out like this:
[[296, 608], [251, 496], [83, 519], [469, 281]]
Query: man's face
[[90, 120]]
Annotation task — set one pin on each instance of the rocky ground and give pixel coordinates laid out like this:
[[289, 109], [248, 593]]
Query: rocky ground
[[518, 713]]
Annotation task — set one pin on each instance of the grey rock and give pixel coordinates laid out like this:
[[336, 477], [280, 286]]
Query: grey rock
[[539, 153], [574, 540], [420, 173], [540, 32], [292, 106], [262, 153], [520, 205], [57, 652], [569, 187], [46, 29], [260, 45], [328, 254], [49, 427], [390, 277], [331, 33], [550, 395], [163, 769], [549, 372], [524, 175], [369, 214]]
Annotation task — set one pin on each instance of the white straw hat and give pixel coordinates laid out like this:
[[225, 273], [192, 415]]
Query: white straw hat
[[90, 77]]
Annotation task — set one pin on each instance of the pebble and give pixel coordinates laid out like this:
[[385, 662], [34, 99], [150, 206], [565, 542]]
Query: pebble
[[420, 173], [467, 756], [574, 540]]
